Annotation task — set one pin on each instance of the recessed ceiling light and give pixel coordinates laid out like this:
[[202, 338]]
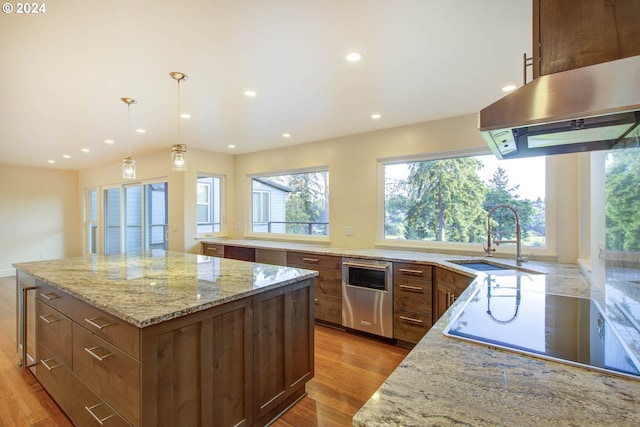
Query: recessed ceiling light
[[51, 161], [376, 116], [353, 57], [108, 141], [66, 156], [85, 150], [508, 88], [286, 135], [141, 131], [185, 115], [231, 146], [250, 93]]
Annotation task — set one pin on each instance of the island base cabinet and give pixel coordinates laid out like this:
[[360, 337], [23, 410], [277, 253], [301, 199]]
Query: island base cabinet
[[283, 348], [197, 369]]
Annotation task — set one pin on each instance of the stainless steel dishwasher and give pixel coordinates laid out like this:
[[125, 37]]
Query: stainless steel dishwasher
[[367, 296]]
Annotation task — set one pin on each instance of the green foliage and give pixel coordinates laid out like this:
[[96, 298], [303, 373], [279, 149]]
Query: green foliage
[[623, 200], [445, 200], [307, 202]]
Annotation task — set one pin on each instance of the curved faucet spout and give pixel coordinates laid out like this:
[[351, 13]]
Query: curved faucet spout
[[489, 250]]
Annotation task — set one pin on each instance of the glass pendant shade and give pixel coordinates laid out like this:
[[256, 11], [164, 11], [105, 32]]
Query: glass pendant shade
[[128, 168], [179, 157]]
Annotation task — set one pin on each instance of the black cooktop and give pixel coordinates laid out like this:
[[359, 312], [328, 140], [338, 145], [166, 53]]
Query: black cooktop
[[512, 313]]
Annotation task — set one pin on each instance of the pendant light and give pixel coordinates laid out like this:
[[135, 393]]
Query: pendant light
[[128, 164], [179, 150]]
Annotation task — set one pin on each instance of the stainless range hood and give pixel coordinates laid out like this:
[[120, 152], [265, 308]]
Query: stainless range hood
[[586, 109]]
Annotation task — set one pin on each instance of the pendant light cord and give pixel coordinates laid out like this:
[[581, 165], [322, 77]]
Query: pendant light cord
[[179, 112]]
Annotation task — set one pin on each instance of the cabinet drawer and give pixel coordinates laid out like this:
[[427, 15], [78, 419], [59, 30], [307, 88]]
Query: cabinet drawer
[[329, 282], [313, 261], [410, 326], [54, 330], [55, 377], [111, 373], [212, 249], [114, 330], [412, 294], [328, 308], [411, 270]]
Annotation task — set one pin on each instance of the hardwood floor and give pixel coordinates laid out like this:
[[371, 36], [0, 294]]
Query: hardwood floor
[[348, 370]]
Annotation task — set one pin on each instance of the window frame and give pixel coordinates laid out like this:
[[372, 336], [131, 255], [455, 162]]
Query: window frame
[[548, 251], [222, 205], [248, 217]]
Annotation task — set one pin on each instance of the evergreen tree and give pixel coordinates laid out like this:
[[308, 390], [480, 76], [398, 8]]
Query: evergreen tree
[[622, 204], [445, 201]]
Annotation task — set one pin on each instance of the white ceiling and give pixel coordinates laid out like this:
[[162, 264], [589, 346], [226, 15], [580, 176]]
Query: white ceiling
[[63, 72]]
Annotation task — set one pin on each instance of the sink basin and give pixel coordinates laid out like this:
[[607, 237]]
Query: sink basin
[[495, 269], [481, 266]]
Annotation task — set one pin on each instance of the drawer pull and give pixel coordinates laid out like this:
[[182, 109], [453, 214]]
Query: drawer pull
[[50, 318], [50, 296], [92, 352], [408, 271], [310, 259], [93, 322], [316, 300], [411, 319], [46, 364], [411, 288], [98, 419]]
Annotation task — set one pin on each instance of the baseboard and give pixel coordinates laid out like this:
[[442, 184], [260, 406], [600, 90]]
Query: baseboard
[[7, 273]]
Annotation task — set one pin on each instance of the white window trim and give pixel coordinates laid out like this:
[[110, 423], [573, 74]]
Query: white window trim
[[248, 217], [504, 251], [223, 204]]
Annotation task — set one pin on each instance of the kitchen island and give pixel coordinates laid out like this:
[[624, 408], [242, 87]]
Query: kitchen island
[[163, 339]]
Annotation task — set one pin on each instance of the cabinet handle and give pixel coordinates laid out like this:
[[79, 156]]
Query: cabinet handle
[[96, 355], [46, 364], [50, 296], [411, 319], [451, 298], [411, 288], [408, 271], [98, 419], [93, 323], [50, 318], [316, 300], [210, 249], [310, 259]]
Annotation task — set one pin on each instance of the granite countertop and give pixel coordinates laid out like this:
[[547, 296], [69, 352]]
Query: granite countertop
[[447, 381], [154, 286]]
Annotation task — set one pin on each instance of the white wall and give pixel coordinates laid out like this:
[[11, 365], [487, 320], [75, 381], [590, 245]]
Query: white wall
[[38, 215], [353, 177], [181, 192]]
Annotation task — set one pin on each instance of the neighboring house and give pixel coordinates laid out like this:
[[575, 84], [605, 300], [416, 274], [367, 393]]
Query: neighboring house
[[269, 213]]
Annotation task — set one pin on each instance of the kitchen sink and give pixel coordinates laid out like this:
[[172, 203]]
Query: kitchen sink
[[492, 268]]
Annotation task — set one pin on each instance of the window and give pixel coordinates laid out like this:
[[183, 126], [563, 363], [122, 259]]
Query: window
[[447, 200], [296, 203], [91, 221], [136, 217], [208, 204]]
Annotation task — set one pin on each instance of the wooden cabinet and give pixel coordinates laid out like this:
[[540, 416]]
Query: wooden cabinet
[[412, 289], [571, 34], [212, 249], [447, 287], [282, 348], [328, 283], [60, 352]]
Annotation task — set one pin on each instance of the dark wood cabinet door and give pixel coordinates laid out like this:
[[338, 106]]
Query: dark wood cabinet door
[[570, 34]]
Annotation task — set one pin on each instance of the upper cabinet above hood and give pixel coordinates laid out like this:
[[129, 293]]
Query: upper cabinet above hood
[[585, 109]]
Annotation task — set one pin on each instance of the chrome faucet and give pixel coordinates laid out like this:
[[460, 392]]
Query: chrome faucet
[[489, 250]]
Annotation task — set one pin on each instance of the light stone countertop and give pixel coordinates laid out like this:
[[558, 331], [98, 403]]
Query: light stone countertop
[[154, 286], [447, 381]]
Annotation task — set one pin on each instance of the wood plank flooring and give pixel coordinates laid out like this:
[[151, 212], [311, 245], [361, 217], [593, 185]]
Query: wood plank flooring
[[348, 370]]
